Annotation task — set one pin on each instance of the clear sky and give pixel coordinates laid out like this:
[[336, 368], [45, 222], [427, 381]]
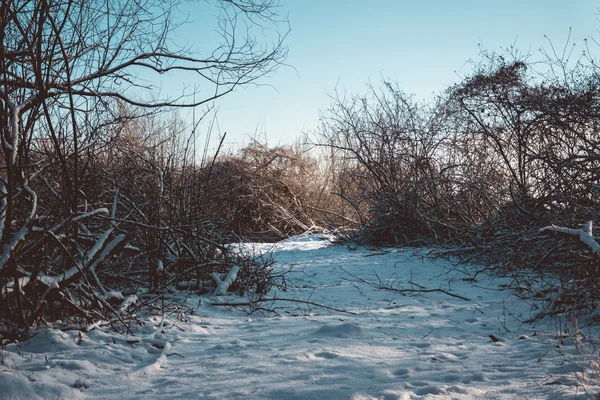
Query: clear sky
[[423, 45]]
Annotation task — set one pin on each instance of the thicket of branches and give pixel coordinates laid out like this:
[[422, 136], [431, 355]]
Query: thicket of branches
[[98, 188], [101, 198], [267, 193], [513, 148]]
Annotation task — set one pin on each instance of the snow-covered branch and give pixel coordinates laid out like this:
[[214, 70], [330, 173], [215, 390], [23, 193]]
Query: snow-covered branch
[[91, 261], [585, 235], [21, 233], [223, 285], [82, 216]]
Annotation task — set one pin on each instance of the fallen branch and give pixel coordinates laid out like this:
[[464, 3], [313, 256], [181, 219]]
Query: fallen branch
[[381, 286], [274, 299]]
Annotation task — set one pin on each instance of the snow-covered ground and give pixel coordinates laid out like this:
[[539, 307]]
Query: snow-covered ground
[[427, 345]]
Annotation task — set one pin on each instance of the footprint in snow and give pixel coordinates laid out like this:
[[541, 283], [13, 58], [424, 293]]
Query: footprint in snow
[[329, 355], [401, 372], [433, 390], [345, 330]]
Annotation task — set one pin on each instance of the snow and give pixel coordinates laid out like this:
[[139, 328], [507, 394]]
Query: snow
[[429, 346]]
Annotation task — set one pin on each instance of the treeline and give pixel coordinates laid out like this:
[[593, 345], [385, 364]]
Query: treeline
[[478, 172], [104, 208]]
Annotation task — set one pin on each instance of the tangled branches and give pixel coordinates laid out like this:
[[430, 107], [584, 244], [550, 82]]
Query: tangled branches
[[509, 150]]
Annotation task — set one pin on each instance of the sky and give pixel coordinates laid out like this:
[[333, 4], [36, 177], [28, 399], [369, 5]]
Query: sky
[[423, 45]]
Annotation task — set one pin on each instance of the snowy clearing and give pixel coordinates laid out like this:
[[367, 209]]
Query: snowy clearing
[[413, 346]]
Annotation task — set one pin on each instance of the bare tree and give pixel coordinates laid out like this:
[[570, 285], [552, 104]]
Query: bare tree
[[67, 69]]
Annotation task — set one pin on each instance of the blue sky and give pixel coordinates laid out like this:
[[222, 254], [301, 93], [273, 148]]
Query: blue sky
[[423, 45]]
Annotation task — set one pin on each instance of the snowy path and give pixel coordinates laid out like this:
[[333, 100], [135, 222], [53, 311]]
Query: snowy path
[[398, 347]]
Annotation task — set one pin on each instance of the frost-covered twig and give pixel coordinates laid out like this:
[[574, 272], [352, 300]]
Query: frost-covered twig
[[585, 235], [113, 211]]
